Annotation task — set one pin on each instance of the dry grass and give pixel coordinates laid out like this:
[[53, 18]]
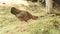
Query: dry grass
[[45, 24]]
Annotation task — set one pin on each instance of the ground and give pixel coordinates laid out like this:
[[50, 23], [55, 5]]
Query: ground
[[45, 24]]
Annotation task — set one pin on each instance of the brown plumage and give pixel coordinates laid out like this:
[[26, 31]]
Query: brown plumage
[[22, 15]]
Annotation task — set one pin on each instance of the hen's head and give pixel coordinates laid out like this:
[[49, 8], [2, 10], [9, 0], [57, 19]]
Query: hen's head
[[14, 11]]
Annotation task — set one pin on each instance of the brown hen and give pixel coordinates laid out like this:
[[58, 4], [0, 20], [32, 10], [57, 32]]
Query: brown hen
[[22, 15]]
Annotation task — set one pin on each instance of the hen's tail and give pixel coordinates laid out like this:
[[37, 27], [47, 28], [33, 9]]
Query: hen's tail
[[34, 17]]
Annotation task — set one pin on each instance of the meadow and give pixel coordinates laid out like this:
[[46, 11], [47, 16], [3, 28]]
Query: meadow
[[45, 24]]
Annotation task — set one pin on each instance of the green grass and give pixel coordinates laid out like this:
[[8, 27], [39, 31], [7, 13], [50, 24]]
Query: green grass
[[45, 24]]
